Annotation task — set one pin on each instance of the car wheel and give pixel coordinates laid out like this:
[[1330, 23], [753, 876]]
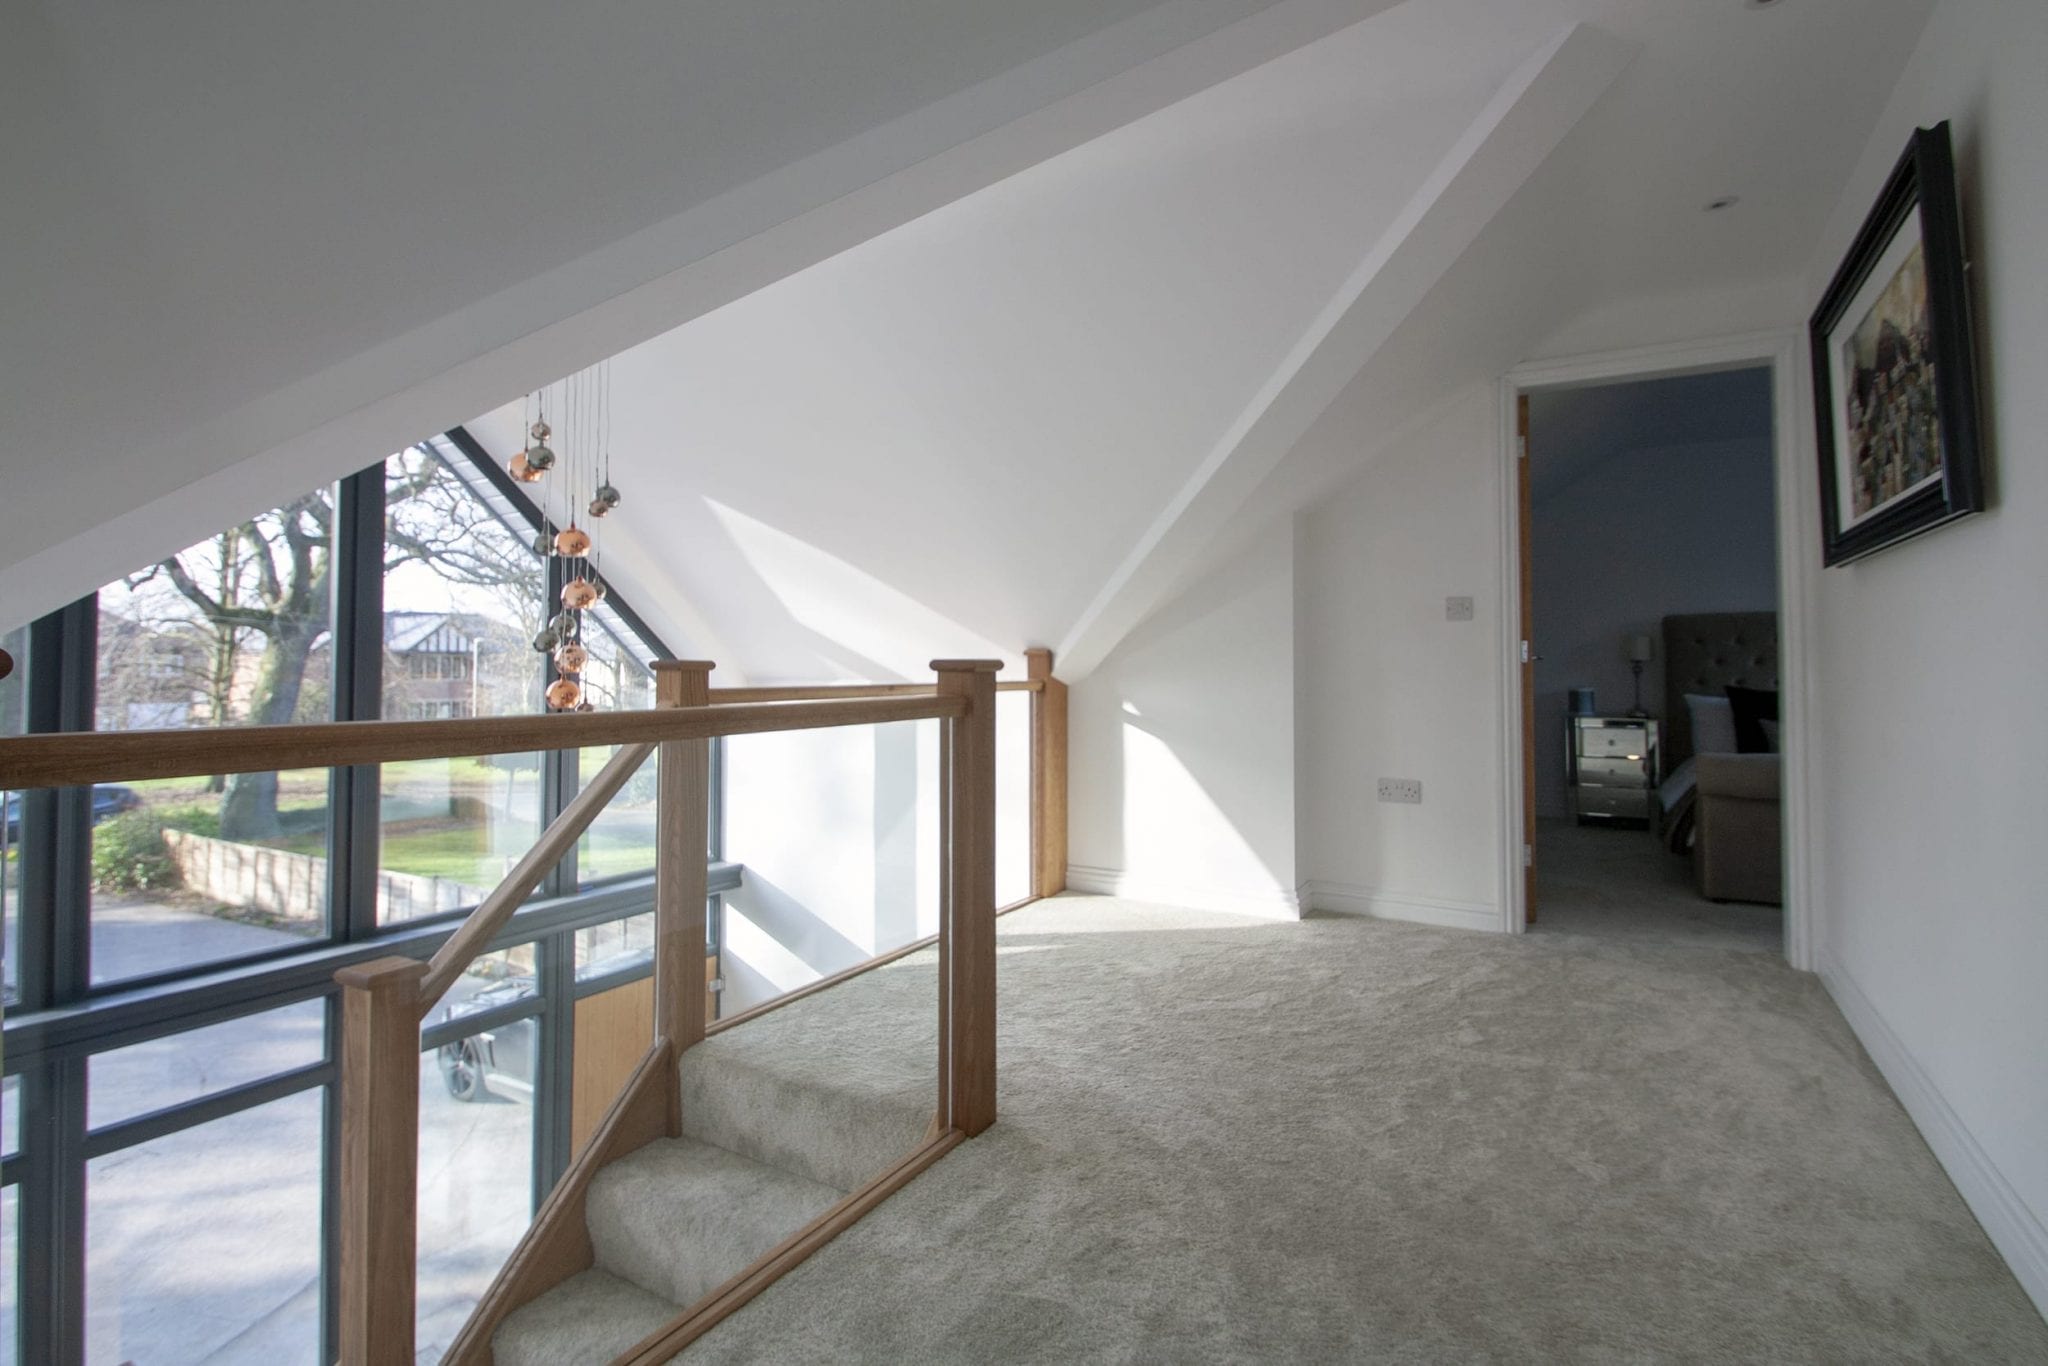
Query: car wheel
[[462, 1071]]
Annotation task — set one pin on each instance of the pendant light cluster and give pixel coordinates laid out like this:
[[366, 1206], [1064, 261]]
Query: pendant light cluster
[[583, 489]]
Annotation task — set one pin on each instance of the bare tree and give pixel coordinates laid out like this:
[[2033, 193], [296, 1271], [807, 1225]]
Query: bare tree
[[264, 582]]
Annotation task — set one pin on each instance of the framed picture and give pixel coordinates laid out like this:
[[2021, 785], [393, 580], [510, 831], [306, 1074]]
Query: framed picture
[[1894, 386]]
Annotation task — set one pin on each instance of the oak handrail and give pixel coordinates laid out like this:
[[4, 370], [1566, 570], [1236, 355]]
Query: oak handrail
[[76, 758], [814, 692], [493, 911]]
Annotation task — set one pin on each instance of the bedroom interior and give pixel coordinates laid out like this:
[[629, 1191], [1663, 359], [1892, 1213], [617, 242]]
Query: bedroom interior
[[1654, 586]]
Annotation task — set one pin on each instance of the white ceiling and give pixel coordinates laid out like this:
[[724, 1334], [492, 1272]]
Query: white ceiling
[[980, 409], [251, 243], [1013, 408], [991, 412]]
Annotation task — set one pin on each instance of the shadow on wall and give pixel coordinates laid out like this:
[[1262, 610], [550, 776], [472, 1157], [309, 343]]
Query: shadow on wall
[[1184, 747]]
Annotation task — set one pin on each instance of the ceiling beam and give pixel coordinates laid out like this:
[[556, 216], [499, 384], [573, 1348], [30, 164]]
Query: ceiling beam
[[1527, 118]]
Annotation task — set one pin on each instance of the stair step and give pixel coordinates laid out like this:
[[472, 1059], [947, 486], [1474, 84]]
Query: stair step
[[839, 1100], [679, 1217], [593, 1316]]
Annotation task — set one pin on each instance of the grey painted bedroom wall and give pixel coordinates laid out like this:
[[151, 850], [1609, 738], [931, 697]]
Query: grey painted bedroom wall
[[1648, 498]]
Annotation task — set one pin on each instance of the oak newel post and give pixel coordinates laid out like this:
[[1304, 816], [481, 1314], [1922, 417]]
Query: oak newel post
[[380, 1112], [967, 906], [682, 818], [1048, 776]]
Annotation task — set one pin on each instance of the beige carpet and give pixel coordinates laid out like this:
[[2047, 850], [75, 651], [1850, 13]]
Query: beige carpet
[[1342, 1140]]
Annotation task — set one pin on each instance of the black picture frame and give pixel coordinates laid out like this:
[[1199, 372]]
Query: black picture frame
[[1899, 447]]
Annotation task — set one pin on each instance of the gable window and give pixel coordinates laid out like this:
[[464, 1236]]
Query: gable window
[[171, 942]]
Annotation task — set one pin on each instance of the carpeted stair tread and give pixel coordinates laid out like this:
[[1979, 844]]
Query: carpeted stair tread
[[680, 1217], [800, 1094], [591, 1317]]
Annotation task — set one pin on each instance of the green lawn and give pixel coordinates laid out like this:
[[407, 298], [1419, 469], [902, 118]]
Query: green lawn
[[424, 839]]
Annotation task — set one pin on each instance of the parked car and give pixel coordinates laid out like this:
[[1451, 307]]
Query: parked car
[[502, 1057], [502, 1054], [108, 801]]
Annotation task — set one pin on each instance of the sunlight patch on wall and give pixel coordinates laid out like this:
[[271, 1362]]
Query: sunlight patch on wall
[[1175, 834], [893, 631]]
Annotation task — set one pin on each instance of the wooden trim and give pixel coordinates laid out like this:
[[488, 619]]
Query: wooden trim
[[490, 916], [1524, 535], [1048, 776], [681, 821], [557, 1245], [664, 1343], [967, 905], [80, 757], [813, 988], [813, 692], [380, 1118]]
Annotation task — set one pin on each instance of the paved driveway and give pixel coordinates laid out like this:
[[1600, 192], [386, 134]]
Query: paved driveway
[[204, 1246]]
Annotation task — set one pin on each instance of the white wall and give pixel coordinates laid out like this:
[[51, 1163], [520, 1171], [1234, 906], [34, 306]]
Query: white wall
[[1390, 688], [1932, 734], [838, 831], [1181, 746], [1647, 532]]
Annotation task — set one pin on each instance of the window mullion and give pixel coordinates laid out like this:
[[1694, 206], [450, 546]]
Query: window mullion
[[357, 630]]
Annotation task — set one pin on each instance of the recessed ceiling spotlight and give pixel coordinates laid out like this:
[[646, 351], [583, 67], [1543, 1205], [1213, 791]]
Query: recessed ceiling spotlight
[[1760, 4], [1726, 201]]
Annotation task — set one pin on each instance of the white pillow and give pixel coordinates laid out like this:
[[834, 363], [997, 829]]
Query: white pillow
[[1713, 724]]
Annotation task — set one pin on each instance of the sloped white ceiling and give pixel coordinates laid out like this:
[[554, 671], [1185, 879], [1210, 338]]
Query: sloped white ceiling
[[249, 242], [980, 410], [980, 420], [983, 423]]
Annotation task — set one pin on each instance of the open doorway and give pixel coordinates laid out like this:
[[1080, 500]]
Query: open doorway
[[1653, 790]]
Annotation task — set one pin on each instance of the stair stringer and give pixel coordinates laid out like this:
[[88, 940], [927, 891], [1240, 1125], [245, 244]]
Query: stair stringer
[[557, 1244]]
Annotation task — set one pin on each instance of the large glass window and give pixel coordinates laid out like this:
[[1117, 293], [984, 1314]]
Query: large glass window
[[13, 721], [10, 1275], [476, 1139], [618, 677], [144, 1077], [205, 1245], [464, 596], [232, 631], [203, 875]]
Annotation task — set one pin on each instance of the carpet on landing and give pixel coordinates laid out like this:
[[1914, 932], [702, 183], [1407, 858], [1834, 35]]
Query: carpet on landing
[[1344, 1140]]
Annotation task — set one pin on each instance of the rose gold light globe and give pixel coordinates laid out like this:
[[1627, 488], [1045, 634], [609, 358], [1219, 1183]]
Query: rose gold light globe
[[572, 541], [571, 658], [523, 472], [578, 594], [564, 693]]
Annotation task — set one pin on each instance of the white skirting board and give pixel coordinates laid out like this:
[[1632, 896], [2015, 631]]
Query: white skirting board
[[1343, 898], [2014, 1230], [1270, 903]]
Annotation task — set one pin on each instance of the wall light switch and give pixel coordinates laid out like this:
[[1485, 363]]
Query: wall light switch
[[1457, 609]]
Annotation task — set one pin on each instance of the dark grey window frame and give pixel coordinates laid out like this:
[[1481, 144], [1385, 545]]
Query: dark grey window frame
[[61, 1019]]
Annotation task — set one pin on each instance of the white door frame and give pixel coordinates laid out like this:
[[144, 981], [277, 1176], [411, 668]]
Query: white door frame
[[1798, 516]]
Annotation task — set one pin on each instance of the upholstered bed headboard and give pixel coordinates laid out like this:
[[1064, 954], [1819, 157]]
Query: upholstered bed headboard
[[1703, 653]]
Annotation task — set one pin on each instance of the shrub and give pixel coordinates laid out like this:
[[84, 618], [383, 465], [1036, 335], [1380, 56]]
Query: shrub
[[128, 855]]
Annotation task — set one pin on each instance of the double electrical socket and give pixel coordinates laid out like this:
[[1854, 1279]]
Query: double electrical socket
[[1401, 790]]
